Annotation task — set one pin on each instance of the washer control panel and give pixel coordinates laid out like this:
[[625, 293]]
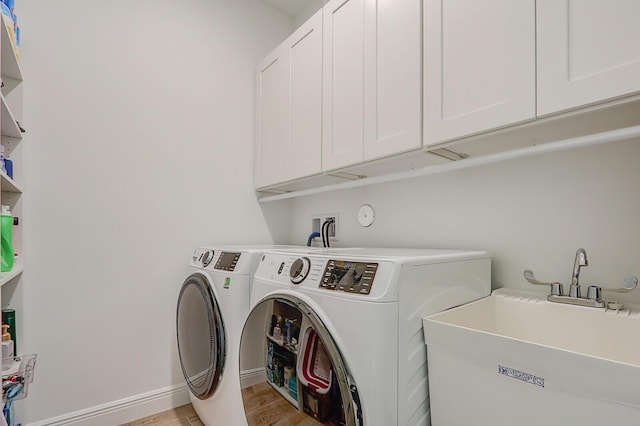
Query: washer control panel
[[347, 276], [299, 269]]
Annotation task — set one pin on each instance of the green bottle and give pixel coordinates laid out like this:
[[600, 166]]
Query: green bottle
[[6, 249]]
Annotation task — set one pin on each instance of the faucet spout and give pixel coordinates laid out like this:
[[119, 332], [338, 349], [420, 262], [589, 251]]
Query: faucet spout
[[580, 261]]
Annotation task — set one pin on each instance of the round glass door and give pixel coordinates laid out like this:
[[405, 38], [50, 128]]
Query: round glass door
[[201, 336], [305, 378]]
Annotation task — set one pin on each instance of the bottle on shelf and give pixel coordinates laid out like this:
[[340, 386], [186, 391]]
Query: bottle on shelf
[[7, 348], [6, 246], [9, 318], [277, 333]]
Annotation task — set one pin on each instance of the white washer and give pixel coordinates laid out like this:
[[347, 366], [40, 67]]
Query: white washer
[[347, 325], [212, 306]]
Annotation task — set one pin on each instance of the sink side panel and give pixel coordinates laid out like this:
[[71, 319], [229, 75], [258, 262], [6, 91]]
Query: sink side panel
[[428, 289]]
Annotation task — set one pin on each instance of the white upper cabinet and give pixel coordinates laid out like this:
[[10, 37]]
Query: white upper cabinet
[[289, 108], [272, 119], [479, 66], [305, 53], [393, 78], [343, 83], [371, 80], [588, 52]]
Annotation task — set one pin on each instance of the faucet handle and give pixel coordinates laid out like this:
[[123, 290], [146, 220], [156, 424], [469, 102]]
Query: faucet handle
[[555, 287], [594, 292], [629, 284]]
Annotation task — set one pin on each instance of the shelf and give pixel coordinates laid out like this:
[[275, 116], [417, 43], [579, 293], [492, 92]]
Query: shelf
[[284, 392], [279, 343], [9, 61], [7, 184], [8, 126], [617, 135], [5, 277]]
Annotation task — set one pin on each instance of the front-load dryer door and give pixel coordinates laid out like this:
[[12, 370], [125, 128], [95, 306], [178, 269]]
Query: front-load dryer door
[[289, 361], [201, 336]]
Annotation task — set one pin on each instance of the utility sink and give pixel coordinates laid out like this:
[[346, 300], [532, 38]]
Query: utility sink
[[514, 358]]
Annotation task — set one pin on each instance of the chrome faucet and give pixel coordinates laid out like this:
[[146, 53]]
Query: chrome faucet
[[580, 261], [594, 293]]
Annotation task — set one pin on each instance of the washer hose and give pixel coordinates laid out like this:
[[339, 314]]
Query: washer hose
[[311, 237]]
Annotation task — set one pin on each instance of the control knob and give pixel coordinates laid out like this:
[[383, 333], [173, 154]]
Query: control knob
[[299, 270], [207, 257]]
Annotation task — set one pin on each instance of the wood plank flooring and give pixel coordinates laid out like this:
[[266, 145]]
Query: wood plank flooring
[[180, 416], [263, 406]]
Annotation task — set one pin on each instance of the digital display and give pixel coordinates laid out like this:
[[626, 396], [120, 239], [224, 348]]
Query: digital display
[[351, 277], [346, 273], [227, 261]]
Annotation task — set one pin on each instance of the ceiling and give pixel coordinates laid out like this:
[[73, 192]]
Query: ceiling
[[290, 7]]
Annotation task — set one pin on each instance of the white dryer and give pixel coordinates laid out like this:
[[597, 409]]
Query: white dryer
[[337, 333], [213, 304]]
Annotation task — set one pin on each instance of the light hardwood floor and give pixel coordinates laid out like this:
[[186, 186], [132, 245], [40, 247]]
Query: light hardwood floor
[[181, 416], [263, 406]]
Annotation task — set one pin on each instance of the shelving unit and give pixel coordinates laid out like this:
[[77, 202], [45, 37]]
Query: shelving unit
[[286, 354], [11, 138], [289, 351], [15, 381]]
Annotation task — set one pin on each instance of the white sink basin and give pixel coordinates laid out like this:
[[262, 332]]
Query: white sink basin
[[516, 359]]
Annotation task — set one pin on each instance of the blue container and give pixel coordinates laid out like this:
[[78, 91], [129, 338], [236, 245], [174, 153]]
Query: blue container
[[293, 387], [6, 11], [8, 166]]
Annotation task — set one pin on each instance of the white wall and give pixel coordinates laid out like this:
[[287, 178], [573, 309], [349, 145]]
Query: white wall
[[530, 213], [139, 148], [140, 119]]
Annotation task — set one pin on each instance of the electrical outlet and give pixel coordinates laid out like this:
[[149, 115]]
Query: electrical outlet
[[318, 219]]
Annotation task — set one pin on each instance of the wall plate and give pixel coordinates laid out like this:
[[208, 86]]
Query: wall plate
[[366, 215]]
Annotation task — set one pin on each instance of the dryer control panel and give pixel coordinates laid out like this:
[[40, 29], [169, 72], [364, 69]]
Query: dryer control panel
[[227, 261], [347, 276], [219, 260]]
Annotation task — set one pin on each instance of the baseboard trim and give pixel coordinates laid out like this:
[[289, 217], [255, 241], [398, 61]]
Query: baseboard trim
[[252, 377], [124, 410]]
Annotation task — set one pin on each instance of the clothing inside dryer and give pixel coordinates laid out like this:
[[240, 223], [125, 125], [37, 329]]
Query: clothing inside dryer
[[298, 381]]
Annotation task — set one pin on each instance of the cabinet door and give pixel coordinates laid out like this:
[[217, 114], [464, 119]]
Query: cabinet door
[[588, 52], [392, 77], [305, 82], [371, 80], [289, 108], [272, 119], [343, 85], [479, 66]]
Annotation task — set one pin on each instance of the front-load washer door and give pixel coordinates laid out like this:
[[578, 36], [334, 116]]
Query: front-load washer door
[[201, 336], [295, 367]]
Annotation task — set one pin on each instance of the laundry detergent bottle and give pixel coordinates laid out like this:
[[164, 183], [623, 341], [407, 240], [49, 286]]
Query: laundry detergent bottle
[[7, 348], [6, 247]]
